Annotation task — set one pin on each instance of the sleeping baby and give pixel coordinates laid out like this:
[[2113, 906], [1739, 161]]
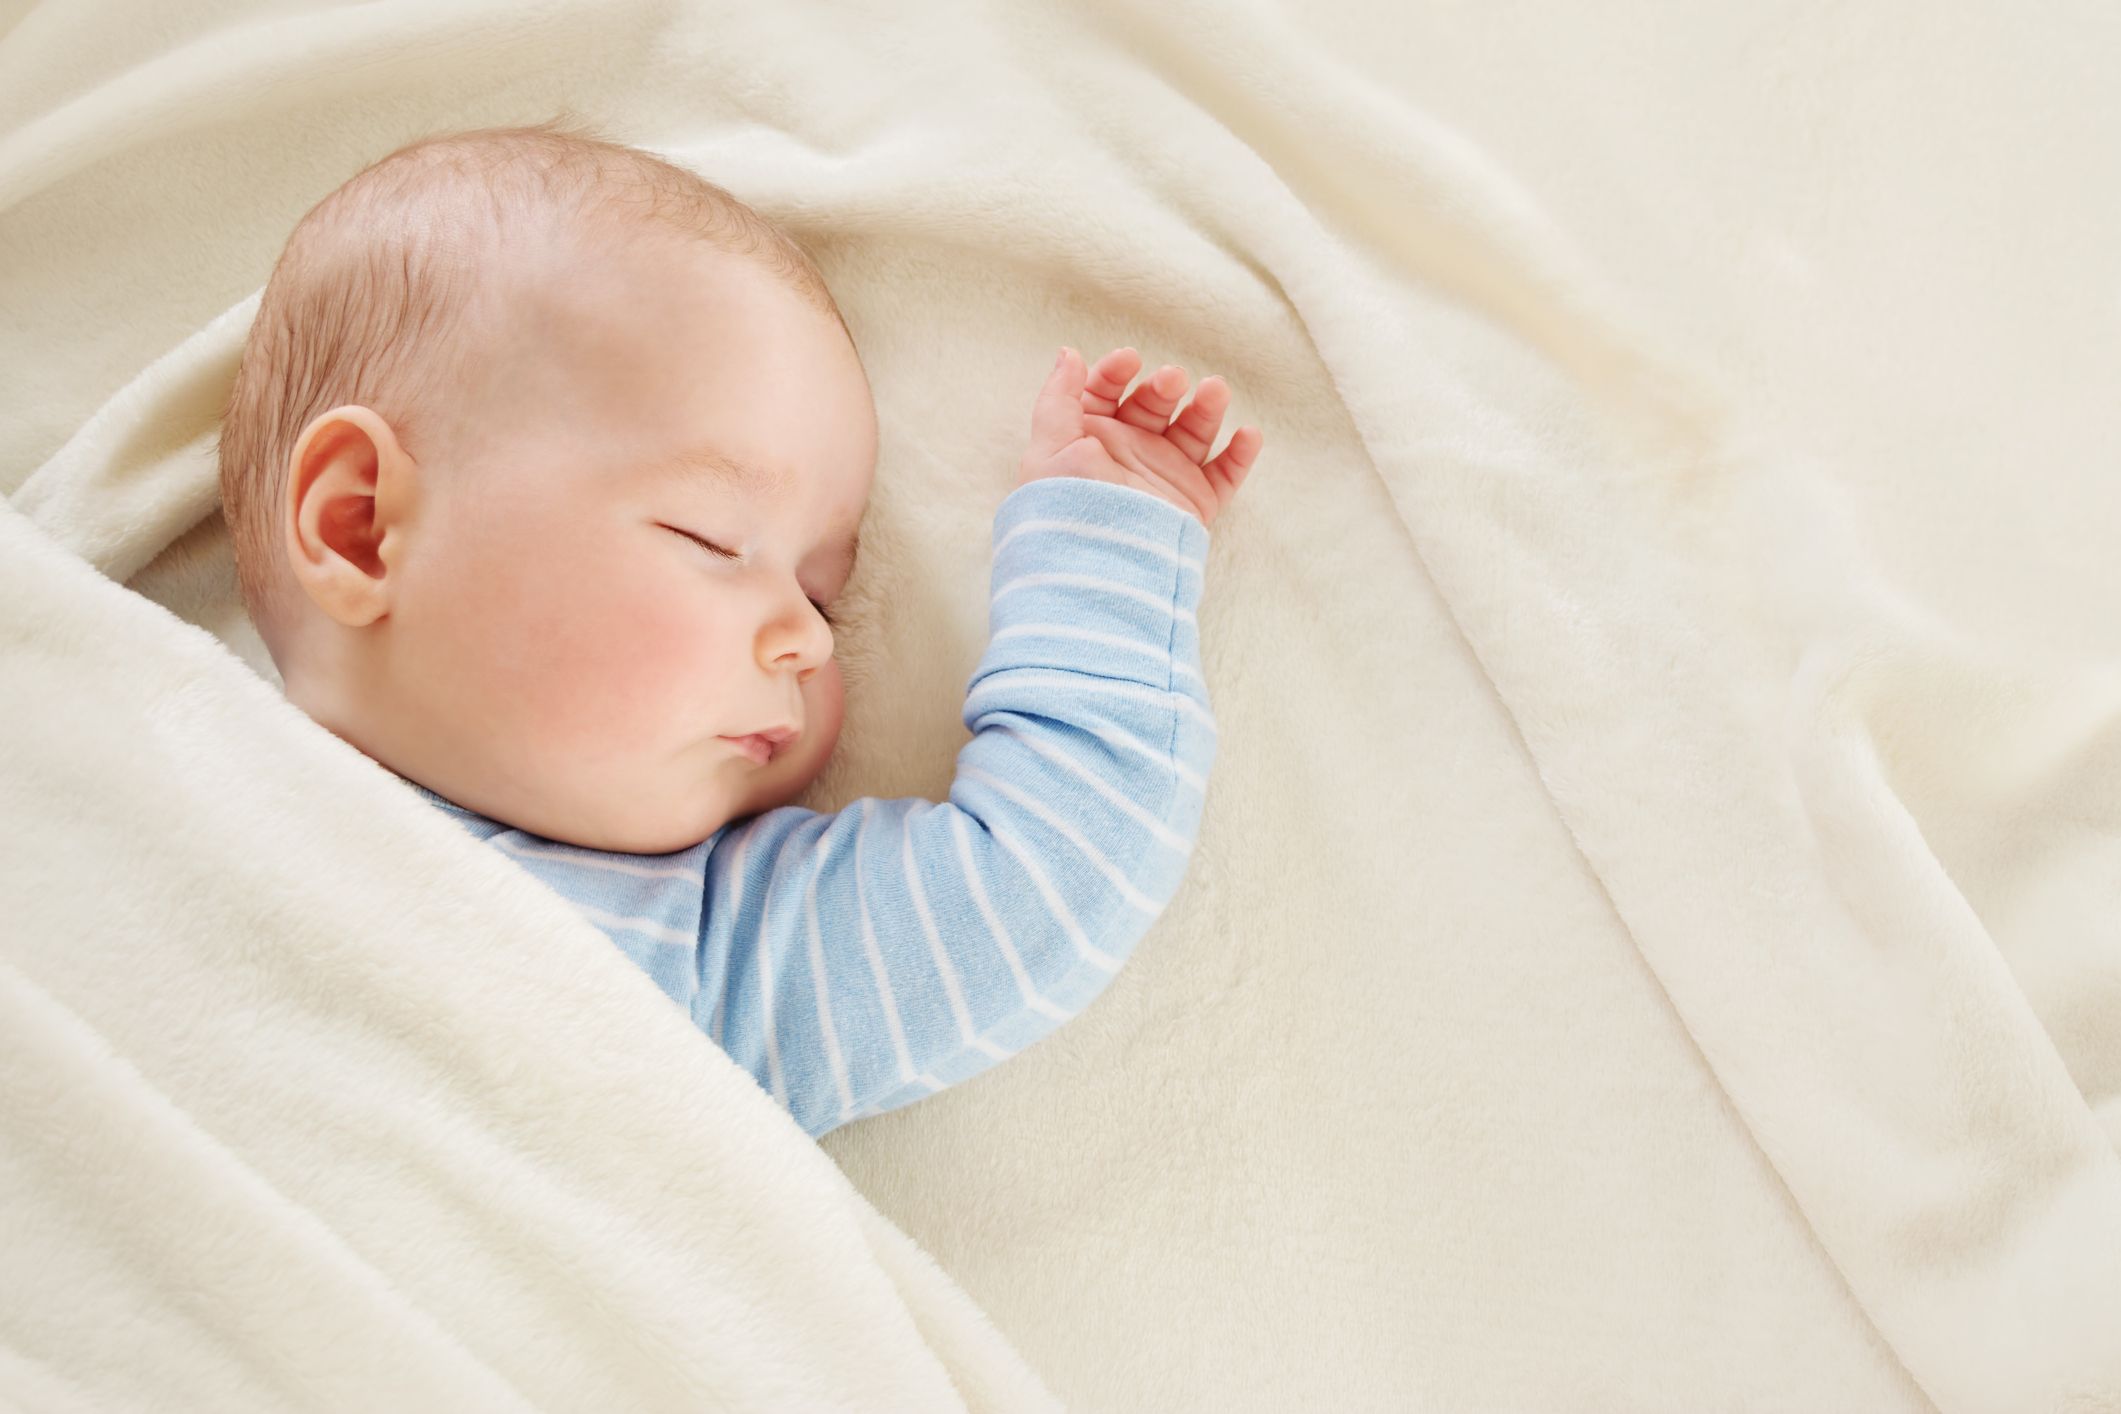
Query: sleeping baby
[[544, 466]]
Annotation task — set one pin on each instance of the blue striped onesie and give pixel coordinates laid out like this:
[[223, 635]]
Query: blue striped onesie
[[860, 960]]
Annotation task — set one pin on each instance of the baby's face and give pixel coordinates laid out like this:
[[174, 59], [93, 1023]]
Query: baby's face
[[594, 659]]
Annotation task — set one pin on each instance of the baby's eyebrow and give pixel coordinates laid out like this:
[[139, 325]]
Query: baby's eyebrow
[[717, 469], [725, 473]]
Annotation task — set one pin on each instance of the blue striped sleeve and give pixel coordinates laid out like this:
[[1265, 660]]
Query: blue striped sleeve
[[858, 961]]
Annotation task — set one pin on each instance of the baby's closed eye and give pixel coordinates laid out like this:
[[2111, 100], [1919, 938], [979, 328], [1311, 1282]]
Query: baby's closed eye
[[822, 611]]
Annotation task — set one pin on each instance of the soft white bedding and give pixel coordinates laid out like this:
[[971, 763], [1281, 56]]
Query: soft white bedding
[[1653, 940]]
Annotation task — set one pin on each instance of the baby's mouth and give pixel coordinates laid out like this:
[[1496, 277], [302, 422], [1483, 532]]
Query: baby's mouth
[[761, 747]]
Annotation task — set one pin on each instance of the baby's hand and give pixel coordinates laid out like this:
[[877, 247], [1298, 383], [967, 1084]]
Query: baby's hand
[[1079, 428]]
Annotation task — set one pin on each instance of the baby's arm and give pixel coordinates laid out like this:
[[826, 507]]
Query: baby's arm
[[859, 961]]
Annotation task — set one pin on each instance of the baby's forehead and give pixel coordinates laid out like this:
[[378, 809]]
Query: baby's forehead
[[631, 321], [589, 286]]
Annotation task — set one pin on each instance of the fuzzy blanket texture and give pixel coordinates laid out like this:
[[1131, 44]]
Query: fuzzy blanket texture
[[1655, 935]]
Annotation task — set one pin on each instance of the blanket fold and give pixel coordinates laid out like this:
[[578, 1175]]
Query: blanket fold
[[285, 1143]]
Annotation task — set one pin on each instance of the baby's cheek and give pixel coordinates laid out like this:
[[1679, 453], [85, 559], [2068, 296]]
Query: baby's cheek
[[792, 772], [824, 705], [621, 671]]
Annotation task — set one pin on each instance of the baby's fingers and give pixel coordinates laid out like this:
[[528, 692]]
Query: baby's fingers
[[1230, 469], [1153, 400], [1193, 431], [1108, 379]]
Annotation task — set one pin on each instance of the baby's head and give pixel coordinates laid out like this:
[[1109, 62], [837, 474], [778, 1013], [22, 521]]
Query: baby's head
[[497, 381]]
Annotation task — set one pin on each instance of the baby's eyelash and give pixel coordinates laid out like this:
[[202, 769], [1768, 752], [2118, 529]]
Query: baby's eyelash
[[822, 612], [706, 544]]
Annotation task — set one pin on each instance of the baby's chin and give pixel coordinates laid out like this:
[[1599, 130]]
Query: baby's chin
[[694, 819], [729, 790], [769, 789]]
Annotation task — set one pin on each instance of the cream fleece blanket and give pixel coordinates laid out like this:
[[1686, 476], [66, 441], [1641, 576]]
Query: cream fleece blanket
[[1653, 938]]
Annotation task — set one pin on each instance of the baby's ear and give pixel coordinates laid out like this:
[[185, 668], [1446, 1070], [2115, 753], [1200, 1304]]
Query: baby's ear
[[345, 462], [1057, 416]]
